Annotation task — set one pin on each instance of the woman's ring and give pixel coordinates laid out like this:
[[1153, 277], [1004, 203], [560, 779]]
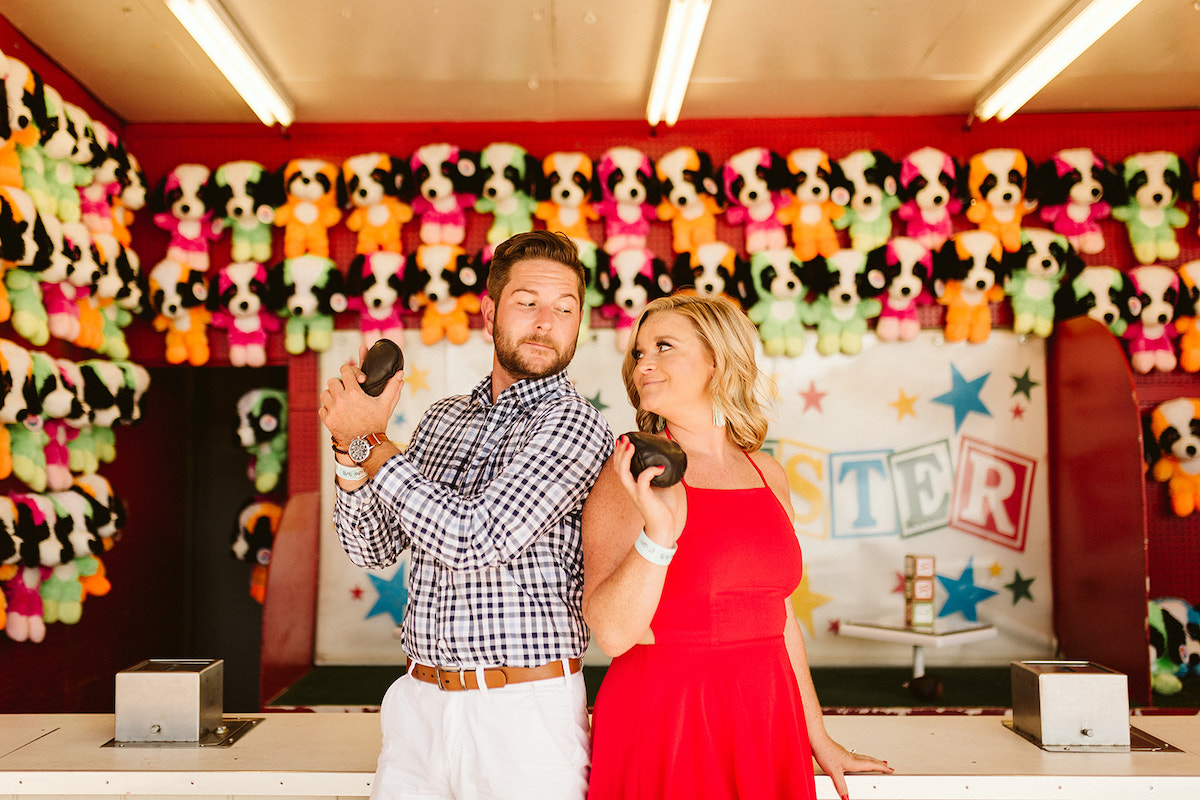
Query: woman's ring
[[852, 750]]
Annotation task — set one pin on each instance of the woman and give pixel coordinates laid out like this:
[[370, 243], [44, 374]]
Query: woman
[[688, 587]]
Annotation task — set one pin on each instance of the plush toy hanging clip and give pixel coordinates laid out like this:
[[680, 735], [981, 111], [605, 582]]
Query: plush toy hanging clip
[[375, 289], [871, 181], [308, 290], [1034, 274], [996, 181], [310, 206], [177, 296], [629, 193], [1077, 188], [253, 540], [445, 184], [908, 268], [847, 288], [263, 432], [507, 175], [179, 205], [238, 297], [1153, 185], [244, 195], [757, 184], [691, 197], [819, 197], [930, 193], [968, 278], [565, 189], [1175, 426], [371, 187], [779, 309], [1158, 298]]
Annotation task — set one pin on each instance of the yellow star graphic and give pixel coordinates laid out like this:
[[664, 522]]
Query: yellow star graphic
[[416, 379], [805, 601], [996, 569], [904, 405]]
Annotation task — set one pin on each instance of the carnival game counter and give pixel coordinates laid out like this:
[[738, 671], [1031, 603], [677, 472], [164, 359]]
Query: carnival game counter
[[333, 755]]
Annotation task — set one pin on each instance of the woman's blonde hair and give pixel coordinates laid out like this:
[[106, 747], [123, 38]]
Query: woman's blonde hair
[[736, 386]]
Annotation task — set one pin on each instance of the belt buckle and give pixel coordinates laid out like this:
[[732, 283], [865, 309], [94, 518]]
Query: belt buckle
[[444, 685]]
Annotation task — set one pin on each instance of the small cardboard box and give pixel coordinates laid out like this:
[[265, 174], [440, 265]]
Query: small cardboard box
[[1071, 704], [164, 700]]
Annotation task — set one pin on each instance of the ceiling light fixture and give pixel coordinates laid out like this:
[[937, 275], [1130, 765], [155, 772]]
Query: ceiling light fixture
[[676, 55], [1072, 33], [221, 40]]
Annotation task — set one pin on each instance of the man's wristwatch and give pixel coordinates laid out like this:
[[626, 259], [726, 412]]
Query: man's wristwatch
[[360, 448]]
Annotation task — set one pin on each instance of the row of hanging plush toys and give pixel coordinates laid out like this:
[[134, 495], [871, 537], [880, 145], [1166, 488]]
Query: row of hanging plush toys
[[50, 554]]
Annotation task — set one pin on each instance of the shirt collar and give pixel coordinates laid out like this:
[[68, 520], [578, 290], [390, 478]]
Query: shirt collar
[[528, 392]]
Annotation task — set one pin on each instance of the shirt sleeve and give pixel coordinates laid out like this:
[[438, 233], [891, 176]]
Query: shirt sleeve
[[545, 480], [367, 529]]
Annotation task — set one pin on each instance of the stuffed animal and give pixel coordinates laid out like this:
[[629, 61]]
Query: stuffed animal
[[36, 253], [253, 539], [238, 297], [132, 198], [1189, 330], [629, 194], [57, 401], [371, 187], [1034, 274], [847, 288], [930, 193], [968, 277], [39, 161], [262, 431], [99, 489], [1100, 292], [779, 309], [24, 92], [1154, 183], [115, 297], [243, 196], [565, 189], [308, 290], [819, 198], [63, 301], [177, 296], [310, 206], [1158, 299], [996, 181], [712, 269], [629, 279], [507, 175], [445, 185], [18, 396], [908, 271], [108, 167], [871, 182], [757, 183], [1175, 428], [82, 457], [24, 621], [375, 289], [445, 287], [1077, 188], [1174, 643], [691, 197], [179, 205]]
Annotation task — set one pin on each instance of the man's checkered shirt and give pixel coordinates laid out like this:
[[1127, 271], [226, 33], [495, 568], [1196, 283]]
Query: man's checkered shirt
[[489, 498]]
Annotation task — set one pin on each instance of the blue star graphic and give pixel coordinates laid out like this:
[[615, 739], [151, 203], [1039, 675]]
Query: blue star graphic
[[963, 594], [398, 418], [964, 397], [393, 596]]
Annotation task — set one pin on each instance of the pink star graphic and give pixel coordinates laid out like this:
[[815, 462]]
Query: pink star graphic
[[356, 593], [899, 587], [813, 397], [835, 625], [1018, 411]]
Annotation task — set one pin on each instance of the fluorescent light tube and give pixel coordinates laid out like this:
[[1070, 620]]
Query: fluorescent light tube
[[676, 55], [1075, 31], [221, 40]]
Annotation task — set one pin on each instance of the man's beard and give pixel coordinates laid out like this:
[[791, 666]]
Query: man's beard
[[519, 367]]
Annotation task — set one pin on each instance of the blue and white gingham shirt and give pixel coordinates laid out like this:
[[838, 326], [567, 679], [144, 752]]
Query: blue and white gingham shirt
[[489, 497]]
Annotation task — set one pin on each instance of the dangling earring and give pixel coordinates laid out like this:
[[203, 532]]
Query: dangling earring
[[718, 416]]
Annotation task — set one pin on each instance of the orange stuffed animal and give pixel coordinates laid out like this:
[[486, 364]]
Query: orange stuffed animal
[[311, 209]]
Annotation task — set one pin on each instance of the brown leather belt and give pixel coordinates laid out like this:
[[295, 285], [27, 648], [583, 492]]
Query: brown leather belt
[[453, 680]]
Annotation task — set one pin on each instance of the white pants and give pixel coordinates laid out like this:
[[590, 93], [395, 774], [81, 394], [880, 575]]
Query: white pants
[[519, 742]]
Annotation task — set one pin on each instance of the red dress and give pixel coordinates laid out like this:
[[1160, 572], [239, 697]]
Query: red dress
[[711, 709]]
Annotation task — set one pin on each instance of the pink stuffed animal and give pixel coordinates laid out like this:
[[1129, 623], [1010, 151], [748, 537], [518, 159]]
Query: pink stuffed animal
[[628, 196], [908, 266], [1075, 188], [238, 298], [1158, 299], [180, 209], [756, 183], [930, 193], [375, 289], [444, 180]]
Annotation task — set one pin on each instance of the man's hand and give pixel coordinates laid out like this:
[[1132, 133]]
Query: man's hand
[[347, 411]]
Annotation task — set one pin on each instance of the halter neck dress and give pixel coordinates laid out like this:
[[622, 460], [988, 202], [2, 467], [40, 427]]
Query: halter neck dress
[[711, 709]]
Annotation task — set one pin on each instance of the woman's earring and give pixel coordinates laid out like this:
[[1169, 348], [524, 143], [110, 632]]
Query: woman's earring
[[718, 416]]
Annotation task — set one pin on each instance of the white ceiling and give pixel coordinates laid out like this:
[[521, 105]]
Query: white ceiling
[[551, 60]]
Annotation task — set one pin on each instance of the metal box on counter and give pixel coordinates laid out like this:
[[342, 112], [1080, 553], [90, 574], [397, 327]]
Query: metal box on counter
[[165, 700], [1071, 705]]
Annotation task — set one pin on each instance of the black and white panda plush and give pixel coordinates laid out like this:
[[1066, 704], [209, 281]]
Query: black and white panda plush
[[308, 290]]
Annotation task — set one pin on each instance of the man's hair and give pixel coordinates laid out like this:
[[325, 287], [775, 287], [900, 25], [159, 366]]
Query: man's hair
[[737, 387], [520, 247]]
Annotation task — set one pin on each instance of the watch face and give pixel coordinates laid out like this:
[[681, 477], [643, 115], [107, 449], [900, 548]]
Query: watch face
[[358, 450]]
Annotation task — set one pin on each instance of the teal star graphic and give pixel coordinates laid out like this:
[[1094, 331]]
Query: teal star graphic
[[1020, 587], [599, 404], [963, 594], [393, 596], [964, 396], [398, 419], [1023, 384]]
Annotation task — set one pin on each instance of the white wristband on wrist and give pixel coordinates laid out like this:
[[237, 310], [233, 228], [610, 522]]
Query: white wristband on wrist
[[652, 551], [348, 473]]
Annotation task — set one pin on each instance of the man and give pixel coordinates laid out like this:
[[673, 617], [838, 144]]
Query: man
[[488, 496]]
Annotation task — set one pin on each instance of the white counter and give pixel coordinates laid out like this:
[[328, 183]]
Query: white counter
[[333, 755]]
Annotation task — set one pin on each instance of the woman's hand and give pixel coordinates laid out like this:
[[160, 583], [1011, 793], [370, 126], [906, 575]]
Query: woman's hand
[[835, 761], [660, 507]]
